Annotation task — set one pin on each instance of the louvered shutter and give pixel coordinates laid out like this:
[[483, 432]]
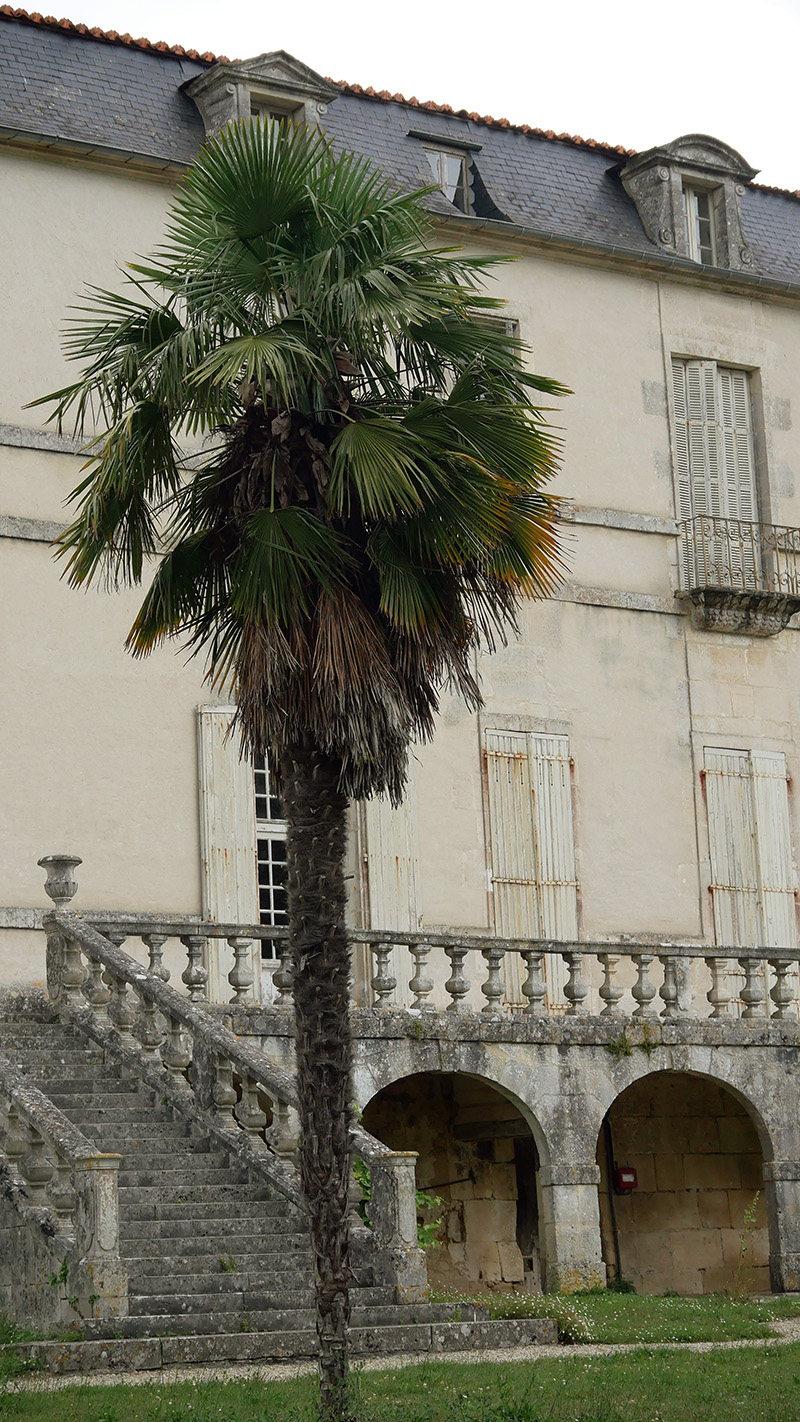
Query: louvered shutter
[[533, 853], [228, 841], [699, 493], [392, 854], [732, 842], [774, 849], [740, 502]]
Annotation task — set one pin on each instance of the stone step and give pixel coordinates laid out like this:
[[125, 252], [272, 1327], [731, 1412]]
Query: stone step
[[187, 1155], [152, 1132], [190, 1176], [191, 1246], [117, 1095], [93, 1115], [269, 1213], [188, 1195]]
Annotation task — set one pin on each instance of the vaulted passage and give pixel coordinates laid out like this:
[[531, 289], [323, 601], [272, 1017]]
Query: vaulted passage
[[477, 1153], [698, 1164]]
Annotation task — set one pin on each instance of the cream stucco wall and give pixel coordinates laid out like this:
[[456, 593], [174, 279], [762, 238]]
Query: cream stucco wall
[[97, 752]]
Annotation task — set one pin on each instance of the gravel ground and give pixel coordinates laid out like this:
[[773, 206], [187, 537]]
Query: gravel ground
[[787, 1330]]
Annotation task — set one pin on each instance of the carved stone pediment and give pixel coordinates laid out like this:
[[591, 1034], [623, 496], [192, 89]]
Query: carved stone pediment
[[275, 81], [725, 610], [655, 181]]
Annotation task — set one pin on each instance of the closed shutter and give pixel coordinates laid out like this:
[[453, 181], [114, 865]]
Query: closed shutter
[[392, 856], [774, 844], [228, 841], [751, 848], [529, 784]]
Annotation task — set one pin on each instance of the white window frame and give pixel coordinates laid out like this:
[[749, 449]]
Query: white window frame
[[271, 831], [691, 193], [443, 153]]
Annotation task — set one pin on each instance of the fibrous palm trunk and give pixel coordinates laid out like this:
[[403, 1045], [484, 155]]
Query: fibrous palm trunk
[[316, 815]]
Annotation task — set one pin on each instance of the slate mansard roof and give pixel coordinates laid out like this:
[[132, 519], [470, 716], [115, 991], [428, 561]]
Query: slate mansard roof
[[64, 84]]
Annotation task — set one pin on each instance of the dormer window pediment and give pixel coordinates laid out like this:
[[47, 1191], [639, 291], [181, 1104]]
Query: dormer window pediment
[[275, 85], [687, 196]]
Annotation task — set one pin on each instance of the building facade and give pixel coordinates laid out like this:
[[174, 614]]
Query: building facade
[[630, 776]]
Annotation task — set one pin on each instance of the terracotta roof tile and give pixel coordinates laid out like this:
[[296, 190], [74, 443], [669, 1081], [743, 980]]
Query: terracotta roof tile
[[50, 22]]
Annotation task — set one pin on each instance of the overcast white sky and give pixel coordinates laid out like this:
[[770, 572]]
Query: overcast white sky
[[625, 71]]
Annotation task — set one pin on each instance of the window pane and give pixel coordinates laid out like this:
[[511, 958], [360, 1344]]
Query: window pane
[[433, 159]]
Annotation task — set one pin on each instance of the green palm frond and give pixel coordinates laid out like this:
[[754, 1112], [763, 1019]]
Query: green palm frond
[[305, 425]]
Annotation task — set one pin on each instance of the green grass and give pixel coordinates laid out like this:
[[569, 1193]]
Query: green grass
[[751, 1384], [609, 1317]]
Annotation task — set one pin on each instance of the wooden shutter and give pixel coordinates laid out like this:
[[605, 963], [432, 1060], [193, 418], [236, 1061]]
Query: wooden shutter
[[732, 842], [740, 500], [392, 854], [228, 841], [529, 784], [774, 849], [697, 465]]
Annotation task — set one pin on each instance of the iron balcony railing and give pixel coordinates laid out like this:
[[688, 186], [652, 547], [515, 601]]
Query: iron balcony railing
[[735, 556]]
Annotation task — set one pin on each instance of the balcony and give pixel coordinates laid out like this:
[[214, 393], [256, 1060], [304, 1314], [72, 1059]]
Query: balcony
[[739, 577]]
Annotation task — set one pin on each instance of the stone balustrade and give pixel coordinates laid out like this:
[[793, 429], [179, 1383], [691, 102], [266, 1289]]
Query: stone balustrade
[[225, 1079], [70, 1189]]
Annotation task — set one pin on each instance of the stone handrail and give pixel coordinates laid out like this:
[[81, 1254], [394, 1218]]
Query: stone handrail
[[769, 986], [70, 1185], [166, 1028]]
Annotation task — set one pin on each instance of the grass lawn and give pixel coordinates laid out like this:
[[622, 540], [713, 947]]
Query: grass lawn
[[754, 1384]]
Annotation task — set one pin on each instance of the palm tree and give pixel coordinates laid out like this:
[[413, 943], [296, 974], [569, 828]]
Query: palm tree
[[362, 508]]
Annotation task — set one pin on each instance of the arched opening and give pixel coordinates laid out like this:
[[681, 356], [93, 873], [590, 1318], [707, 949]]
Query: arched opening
[[694, 1220], [477, 1153]]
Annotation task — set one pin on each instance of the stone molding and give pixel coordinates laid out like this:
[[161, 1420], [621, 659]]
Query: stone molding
[[25, 437], [618, 519], [756, 614], [29, 530]]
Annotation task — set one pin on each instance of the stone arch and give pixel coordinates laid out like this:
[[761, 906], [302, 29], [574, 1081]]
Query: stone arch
[[479, 1153], [696, 1143]]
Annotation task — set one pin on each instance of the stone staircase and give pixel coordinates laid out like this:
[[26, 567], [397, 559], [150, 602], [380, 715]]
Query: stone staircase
[[218, 1260]]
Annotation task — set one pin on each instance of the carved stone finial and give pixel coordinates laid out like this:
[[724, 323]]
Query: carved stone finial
[[60, 885]]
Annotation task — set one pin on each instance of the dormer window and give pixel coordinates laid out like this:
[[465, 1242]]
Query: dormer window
[[701, 233], [688, 195], [272, 86], [451, 171], [267, 108]]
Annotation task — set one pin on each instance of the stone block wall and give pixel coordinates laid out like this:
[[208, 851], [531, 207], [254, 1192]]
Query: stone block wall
[[465, 1134], [699, 1166]]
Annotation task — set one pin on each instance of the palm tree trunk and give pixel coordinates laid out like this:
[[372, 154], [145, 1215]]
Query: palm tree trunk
[[316, 813]]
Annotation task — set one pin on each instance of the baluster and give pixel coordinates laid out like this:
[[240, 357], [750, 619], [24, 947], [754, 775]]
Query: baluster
[[282, 979], [457, 985], [575, 988], [195, 974], [421, 984], [719, 993], [63, 1196], [383, 983], [643, 991], [250, 1115], [150, 1031], [534, 987], [122, 1009], [282, 1134], [15, 1140], [154, 943], [174, 1053], [241, 976], [494, 988], [753, 993], [73, 973], [610, 989], [669, 988], [36, 1167], [782, 992], [96, 992], [223, 1092]]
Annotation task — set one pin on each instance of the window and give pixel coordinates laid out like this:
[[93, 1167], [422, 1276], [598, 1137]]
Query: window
[[268, 109], [270, 851], [716, 493], [699, 205], [451, 170], [752, 875], [529, 786]]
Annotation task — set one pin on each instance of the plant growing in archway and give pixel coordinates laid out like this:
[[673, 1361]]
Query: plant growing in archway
[[364, 506]]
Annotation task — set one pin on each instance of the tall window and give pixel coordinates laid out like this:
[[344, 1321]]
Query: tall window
[[701, 222], [270, 851], [752, 874], [529, 783], [715, 474]]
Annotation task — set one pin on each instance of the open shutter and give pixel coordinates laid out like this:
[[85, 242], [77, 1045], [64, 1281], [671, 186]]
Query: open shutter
[[697, 466], [555, 850], [740, 500], [228, 841], [513, 835], [774, 849], [392, 855], [732, 842]]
